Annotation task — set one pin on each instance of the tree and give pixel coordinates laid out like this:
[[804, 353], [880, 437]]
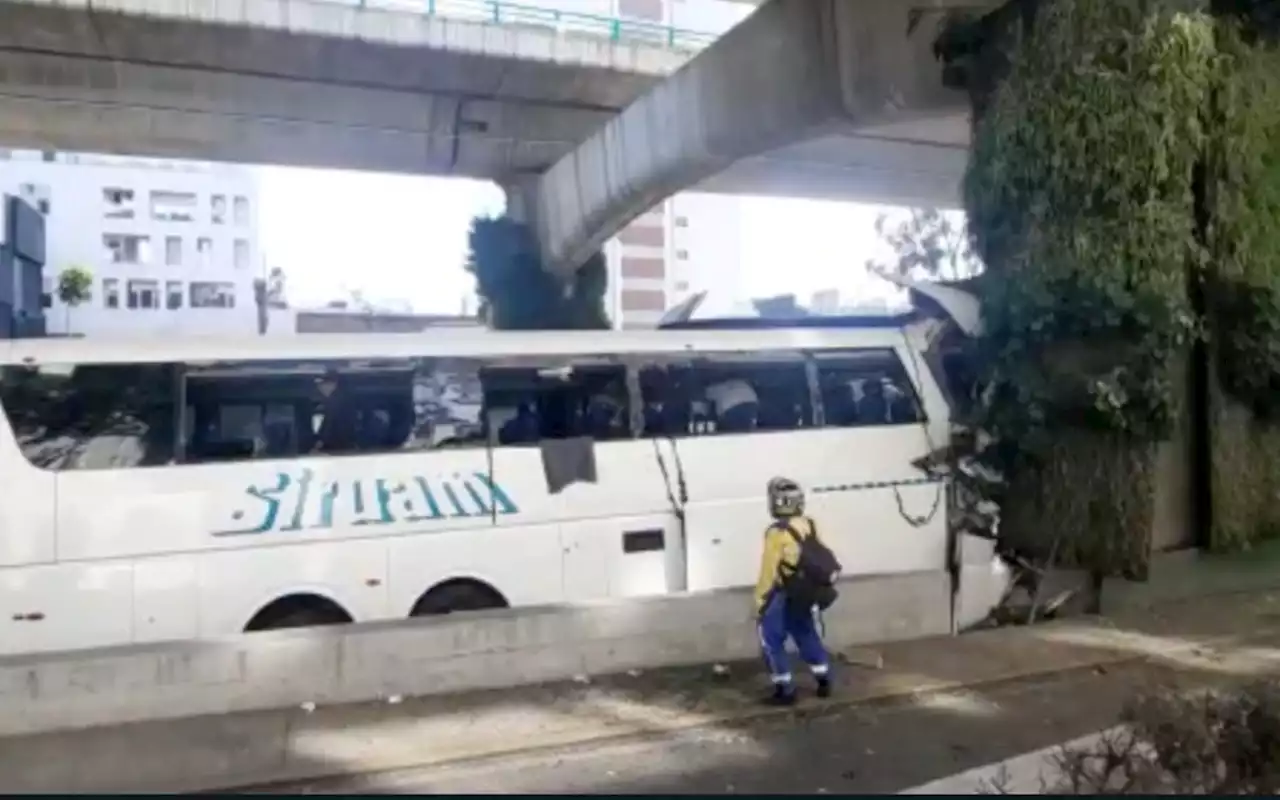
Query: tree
[[75, 287], [517, 293], [927, 244]]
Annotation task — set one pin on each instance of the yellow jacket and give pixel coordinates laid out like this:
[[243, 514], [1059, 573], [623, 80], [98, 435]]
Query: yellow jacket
[[780, 556]]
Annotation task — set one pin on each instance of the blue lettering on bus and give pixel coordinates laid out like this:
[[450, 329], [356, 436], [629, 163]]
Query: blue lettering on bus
[[297, 501]]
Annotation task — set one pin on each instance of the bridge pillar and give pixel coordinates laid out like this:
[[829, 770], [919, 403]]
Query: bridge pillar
[[521, 201]]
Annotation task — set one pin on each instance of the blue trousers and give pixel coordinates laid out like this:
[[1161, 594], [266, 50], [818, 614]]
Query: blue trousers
[[778, 623]]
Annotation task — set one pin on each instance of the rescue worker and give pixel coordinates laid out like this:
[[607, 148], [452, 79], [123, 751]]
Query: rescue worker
[[779, 618]]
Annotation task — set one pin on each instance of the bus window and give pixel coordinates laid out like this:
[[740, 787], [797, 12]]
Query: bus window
[[726, 394], [447, 404], [245, 411], [526, 404], [92, 416], [866, 387]]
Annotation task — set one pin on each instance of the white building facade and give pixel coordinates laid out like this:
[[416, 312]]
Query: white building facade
[[172, 245]]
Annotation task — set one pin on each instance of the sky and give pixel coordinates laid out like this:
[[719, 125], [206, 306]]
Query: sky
[[398, 237]]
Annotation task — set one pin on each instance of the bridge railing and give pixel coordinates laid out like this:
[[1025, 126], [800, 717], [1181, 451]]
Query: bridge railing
[[498, 12]]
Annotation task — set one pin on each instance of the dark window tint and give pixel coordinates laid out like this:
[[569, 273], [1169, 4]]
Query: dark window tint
[[726, 394], [285, 410], [92, 416], [866, 387], [528, 403]]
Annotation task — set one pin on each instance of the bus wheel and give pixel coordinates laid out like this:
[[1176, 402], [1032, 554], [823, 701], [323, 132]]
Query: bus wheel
[[459, 595], [298, 611]]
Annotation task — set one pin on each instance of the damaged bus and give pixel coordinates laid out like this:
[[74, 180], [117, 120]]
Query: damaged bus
[[182, 489]]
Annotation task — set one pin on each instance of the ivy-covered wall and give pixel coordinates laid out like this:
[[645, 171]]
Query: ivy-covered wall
[[1081, 200], [1242, 283], [1124, 194]]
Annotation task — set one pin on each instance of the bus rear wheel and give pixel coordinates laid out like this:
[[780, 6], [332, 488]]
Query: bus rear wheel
[[298, 611], [454, 596]]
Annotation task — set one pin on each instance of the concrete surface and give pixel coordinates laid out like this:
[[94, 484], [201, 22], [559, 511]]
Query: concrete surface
[[866, 749], [429, 656], [308, 83], [1028, 773], [956, 680], [805, 97], [1192, 573]]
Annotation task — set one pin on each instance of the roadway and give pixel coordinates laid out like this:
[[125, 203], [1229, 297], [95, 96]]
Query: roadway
[[873, 749]]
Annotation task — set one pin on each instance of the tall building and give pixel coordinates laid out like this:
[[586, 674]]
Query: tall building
[[172, 246]]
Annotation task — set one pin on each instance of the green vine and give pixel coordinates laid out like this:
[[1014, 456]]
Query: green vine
[[1242, 287], [1124, 194], [1081, 200]]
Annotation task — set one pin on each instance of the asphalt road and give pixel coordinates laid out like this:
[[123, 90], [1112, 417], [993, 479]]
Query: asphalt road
[[868, 749]]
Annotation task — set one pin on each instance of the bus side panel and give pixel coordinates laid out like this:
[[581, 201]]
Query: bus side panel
[[201, 507], [523, 563], [65, 606], [620, 534], [28, 513], [235, 585], [853, 478]]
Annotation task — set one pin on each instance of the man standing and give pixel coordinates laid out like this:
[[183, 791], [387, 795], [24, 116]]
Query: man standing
[[797, 573]]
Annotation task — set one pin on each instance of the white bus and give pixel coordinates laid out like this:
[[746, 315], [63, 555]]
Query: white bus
[[184, 489]]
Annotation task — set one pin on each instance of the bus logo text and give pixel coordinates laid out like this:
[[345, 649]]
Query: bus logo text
[[298, 502]]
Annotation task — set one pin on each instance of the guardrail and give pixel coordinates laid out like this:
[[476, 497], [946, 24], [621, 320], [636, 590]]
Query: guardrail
[[497, 12]]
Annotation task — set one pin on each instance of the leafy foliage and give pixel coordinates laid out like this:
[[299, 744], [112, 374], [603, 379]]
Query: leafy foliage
[[1081, 200], [1224, 742], [1242, 286], [928, 244], [75, 288], [516, 293]]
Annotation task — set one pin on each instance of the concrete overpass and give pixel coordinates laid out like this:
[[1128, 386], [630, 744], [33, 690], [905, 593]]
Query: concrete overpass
[[818, 98], [323, 84]]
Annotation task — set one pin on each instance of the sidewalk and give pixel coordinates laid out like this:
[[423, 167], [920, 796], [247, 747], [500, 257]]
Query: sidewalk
[[304, 743]]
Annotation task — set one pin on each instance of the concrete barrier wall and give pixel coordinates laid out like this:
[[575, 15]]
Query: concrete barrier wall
[[356, 663]]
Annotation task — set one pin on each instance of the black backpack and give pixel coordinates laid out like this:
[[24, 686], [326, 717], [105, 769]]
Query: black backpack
[[812, 583]]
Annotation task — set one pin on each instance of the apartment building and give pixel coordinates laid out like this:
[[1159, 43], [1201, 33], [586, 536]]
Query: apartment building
[[172, 246]]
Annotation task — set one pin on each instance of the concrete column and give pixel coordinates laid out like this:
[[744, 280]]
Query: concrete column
[[520, 197]]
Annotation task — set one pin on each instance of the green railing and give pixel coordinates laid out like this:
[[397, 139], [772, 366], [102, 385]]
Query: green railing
[[502, 13]]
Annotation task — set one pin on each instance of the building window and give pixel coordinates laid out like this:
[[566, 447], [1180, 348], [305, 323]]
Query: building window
[[211, 294], [118, 203], [241, 254], [682, 255], [682, 286], [204, 249], [35, 194], [173, 295], [111, 292], [240, 210], [123, 248], [143, 294], [173, 251], [682, 222], [173, 206], [46, 292], [218, 209]]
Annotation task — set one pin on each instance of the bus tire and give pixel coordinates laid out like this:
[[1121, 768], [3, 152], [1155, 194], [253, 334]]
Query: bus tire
[[298, 611], [458, 595]]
